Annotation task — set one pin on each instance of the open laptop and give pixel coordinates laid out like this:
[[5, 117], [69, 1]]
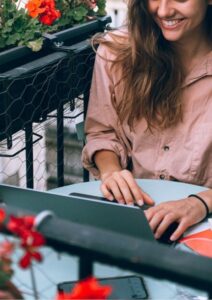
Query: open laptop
[[93, 211], [101, 214], [165, 238], [81, 208]]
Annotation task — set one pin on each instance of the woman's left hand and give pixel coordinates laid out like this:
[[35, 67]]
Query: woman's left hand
[[186, 212]]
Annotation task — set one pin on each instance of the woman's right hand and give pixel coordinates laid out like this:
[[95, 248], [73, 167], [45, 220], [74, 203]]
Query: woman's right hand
[[121, 186]]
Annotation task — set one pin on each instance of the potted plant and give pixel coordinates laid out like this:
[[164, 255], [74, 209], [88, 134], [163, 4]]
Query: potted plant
[[45, 62], [34, 76], [30, 24], [23, 22]]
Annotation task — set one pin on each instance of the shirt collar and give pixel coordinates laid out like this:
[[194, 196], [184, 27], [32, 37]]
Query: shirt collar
[[201, 70]]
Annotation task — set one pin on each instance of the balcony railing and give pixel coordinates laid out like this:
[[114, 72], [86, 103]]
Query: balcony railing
[[41, 93]]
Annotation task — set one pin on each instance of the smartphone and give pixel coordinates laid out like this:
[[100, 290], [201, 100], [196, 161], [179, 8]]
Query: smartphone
[[123, 288]]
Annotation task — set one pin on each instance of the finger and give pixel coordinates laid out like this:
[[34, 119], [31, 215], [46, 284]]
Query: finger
[[183, 225], [135, 190], [113, 187], [163, 226], [156, 220], [106, 193], [139, 196], [147, 199], [150, 212], [124, 189]]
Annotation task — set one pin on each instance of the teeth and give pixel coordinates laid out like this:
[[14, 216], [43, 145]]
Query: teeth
[[170, 23]]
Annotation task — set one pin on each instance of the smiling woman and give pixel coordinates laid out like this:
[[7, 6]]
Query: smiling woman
[[150, 105], [179, 19]]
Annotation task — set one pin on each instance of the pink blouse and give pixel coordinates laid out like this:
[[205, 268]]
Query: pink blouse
[[182, 153]]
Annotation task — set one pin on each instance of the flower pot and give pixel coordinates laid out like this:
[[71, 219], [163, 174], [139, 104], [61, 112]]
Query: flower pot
[[34, 84], [17, 56]]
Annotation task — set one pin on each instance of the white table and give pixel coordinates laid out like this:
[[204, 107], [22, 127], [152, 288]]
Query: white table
[[160, 191]]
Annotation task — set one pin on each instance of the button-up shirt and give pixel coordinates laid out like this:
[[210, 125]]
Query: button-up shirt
[[182, 153]]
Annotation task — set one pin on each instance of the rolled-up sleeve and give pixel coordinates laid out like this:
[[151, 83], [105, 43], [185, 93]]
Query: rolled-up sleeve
[[101, 125]]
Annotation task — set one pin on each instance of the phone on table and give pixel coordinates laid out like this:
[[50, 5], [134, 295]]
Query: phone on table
[[123, 288]]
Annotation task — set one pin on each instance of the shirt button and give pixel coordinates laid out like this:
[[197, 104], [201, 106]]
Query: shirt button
[[166, 148], [162, 176]]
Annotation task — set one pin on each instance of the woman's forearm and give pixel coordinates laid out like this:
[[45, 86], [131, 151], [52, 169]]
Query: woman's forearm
[[107, 161]]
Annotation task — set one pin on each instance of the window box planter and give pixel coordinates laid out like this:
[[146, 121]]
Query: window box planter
[[34, 84]]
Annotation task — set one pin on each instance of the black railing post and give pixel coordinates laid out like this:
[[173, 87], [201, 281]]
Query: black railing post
[[86, 98], [29, 155], [85, 266], [60, 146]]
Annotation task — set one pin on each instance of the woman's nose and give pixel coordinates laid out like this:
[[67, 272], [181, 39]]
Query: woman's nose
[[165, 8]]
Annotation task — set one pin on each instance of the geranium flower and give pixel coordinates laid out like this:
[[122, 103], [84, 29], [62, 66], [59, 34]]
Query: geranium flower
[[30, 238], [49, 17], [2, 215], [44, 10], [19, 225], [87, 289], [34, 8], [30, 243]]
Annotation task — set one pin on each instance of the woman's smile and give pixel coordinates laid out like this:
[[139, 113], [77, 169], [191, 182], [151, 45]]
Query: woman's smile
[[172, 24]]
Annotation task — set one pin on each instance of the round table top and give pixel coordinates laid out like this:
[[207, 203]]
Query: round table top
[[159, 190]]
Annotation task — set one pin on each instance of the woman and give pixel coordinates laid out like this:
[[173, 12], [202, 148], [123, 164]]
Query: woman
[[150, 106]]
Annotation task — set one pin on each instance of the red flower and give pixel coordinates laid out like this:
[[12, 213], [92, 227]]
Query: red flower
[[49, 17], [87, 289], [20, 225], [30, 238], [2, 215], [30, 242], [43, 9], [34, 9]]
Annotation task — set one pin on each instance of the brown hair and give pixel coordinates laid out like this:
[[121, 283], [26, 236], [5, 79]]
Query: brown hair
[[152, 73]]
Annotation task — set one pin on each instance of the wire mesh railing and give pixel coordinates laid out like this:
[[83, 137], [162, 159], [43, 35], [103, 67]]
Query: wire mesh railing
[[41, 96]]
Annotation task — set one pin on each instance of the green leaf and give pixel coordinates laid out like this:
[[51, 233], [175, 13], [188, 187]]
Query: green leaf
[[35, 45], [79, 13]]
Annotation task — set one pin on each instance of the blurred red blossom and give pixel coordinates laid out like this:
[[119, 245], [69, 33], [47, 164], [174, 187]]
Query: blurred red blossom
[[88, 288], [31, 240], [2, 215]]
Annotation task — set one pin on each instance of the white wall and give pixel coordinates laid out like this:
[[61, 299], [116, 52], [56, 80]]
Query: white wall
[[117, 10]]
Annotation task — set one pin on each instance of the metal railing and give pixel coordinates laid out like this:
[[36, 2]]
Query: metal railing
[[37, 89]]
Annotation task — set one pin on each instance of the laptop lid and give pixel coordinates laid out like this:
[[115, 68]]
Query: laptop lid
[[128, 220]]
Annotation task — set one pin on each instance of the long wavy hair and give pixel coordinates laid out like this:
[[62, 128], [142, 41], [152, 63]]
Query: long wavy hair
[[152, 74]]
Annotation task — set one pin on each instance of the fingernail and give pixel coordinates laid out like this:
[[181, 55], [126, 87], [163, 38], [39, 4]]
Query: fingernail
[[140, 202], [157, 236], [172, 238], [121, 201], [111, 198], [130, 203]]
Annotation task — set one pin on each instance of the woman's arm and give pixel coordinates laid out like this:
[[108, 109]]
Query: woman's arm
[[118, 183], [186, 212]]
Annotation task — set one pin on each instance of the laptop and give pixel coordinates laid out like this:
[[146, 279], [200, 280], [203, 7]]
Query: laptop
[[93, 211], [81, 208], [101, 214]]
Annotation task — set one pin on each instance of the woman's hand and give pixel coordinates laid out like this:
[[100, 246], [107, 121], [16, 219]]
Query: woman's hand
[[186, 212], [121, 186]]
